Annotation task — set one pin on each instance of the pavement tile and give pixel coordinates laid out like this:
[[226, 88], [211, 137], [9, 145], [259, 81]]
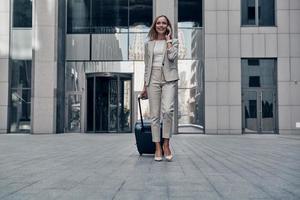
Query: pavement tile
[[85, 166]]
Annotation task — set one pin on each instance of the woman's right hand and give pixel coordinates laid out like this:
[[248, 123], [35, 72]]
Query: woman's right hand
[[144, 94]]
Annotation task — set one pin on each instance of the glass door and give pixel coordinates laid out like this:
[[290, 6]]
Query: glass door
[[109, 103], [250, 111], [101, 119], [113, 105], [259, 111], [267, 111]]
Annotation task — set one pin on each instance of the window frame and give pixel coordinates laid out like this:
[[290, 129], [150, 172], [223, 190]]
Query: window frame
[[257, 16]]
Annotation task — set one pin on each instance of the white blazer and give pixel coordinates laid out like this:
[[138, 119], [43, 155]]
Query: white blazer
[[169, 64]]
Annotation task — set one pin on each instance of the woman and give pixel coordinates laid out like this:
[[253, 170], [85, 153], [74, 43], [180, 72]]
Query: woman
[[160, 80]]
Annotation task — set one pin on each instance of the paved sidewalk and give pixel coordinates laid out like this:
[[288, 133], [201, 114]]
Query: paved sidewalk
[[93, 166]]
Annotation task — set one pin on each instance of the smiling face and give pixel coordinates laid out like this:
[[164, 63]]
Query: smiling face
[[161, 25]]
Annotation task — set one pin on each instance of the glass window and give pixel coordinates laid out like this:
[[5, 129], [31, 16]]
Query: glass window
[[248, 12], [190, 43], [254, 81], [21, 44], [20, 110], [20, 96], [190, 107], [108, 14], [266, 10], [137, 46], [261, 75], [252, 109], [189, 13], [21, 74], [74, 76], [78, 16], [191, 92], [22, 13], [140, 13], [110, 46], [265, 15]]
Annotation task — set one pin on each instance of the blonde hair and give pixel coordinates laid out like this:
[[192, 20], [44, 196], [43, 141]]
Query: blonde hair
[[152, 35]]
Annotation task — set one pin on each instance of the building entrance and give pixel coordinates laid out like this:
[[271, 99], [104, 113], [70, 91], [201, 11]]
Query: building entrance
[[109, 107], [259, 96]]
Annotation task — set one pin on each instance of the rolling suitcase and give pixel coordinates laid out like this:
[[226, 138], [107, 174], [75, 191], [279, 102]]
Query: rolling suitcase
[[143, 134]]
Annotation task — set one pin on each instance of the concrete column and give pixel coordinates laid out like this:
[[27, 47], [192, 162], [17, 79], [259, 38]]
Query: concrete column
[[44, 66], [4, 63], [222, 67]]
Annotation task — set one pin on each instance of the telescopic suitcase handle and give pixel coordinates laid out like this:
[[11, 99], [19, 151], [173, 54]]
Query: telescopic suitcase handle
[[139, 100]]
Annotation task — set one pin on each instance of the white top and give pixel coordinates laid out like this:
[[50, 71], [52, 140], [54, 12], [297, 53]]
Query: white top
[[158, 52]]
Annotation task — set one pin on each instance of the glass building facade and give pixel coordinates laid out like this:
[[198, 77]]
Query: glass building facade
[[78, 65]]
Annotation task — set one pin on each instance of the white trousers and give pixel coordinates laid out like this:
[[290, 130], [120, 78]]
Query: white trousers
[[161, 96]]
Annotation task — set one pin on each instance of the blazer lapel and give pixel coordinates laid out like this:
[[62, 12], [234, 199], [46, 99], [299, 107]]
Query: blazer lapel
[[150, 52], [151, 48]]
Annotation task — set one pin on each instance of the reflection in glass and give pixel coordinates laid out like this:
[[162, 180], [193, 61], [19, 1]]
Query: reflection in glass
[[125, 104], [20, 99], [110, 46], [266, 12], [21, 44], [21, 74], [109, 67], [109, 103], [191, 92], [190, 43], [137, 45], [78, 16], [248, 12], [20, 110], [140, 13], [74, 111], [113, 105], [74, 76], [250, 111], [22, 13], [78, 47], [101, 103], [267, 120], [189, 13], [261, 75], [107, 14], [90, 103]]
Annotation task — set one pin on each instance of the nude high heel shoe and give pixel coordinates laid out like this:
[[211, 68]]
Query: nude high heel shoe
[[168, 157]]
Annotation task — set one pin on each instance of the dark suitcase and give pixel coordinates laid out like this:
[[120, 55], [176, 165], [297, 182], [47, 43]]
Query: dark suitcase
[[143, 134]]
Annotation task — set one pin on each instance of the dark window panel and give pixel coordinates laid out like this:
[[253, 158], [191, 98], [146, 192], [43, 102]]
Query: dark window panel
[[252, 109], [253, 62], [248, 12], [108, 15], [21, 74], [140, 12], [251, 13], [22, 13], [190, 13], [254, 81], [78, 16], [266, 12], [90, 105], [267, 109]]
